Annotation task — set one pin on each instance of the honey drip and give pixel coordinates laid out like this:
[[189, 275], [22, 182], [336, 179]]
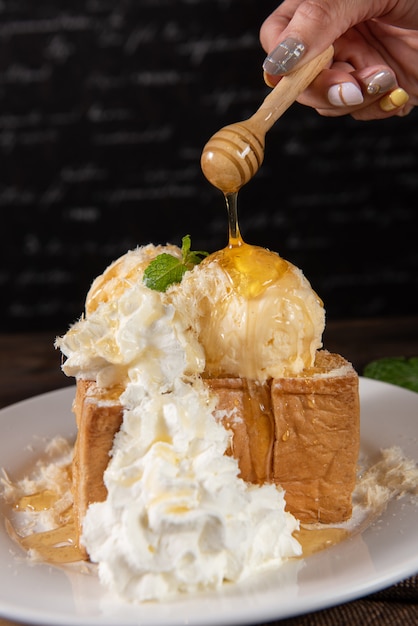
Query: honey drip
[[40, 501], [259, 421], [55, 546], [100, 291], [58, 545], [234, 235], [251, 269], [315, 540]]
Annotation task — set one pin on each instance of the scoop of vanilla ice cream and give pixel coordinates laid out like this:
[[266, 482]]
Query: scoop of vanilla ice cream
[[130, 330], [123, 273], [255, 314]]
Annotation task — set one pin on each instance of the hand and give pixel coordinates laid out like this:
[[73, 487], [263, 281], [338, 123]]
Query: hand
[[375, 66]]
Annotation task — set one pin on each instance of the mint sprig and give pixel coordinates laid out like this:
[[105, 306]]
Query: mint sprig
[[166, 269], [396, 370]]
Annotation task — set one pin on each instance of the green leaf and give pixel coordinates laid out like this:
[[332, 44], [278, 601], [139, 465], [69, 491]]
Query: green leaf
[[163, 271], [186, 244], [190, 258], [396, 370], [166, 269]]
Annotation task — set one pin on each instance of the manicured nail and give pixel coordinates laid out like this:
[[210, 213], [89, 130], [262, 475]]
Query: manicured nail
[[267, 80], [284, 57], [380, 83], [345, 95], [394, 100]]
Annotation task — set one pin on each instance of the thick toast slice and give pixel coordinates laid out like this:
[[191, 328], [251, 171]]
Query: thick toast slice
[[317, 440], [99, 416], [302, 433]]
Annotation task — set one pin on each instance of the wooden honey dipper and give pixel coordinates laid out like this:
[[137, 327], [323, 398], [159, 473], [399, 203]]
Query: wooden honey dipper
[[233, 155]]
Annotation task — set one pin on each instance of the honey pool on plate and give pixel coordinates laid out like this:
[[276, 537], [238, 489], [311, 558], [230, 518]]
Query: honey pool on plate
[[58, 545]]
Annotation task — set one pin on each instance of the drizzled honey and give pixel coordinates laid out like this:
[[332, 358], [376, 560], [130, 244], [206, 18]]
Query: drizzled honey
[[100, 291], [58, 545], [315, 539], [251, 269], [54, 546], [40, 501]]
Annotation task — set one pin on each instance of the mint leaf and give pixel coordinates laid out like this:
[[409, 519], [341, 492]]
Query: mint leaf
[[163, 271], [166, 269], [190, 258], [399, 371]]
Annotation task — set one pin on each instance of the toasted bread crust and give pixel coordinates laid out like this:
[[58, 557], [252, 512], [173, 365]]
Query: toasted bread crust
[[302, 432], [99, 416], [245, 409], [316, 444]]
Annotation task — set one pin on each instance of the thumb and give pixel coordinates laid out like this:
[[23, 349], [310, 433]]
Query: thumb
[[307, 27]]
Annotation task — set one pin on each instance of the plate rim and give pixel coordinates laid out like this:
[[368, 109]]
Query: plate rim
[[399, 572]]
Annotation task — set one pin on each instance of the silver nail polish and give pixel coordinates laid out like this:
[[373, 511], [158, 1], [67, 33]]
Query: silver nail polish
[[380, 83], [284, 57]]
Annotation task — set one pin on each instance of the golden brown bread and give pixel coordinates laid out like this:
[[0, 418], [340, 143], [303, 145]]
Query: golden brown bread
[[244, 407], [99, 415], [302, 433], [317, 439]]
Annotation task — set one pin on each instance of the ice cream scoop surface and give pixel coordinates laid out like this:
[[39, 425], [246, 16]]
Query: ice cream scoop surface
[[256, 314], [123, 273]]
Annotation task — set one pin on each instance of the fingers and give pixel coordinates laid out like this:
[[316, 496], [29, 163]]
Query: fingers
[[304, 28], [372, 93], [360, 76], [276, 23], [393, 103]]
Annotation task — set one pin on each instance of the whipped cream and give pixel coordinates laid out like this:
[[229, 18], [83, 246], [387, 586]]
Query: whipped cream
[[177, 517]]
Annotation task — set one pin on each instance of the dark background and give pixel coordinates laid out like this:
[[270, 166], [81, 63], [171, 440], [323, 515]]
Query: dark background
[[105, 106]]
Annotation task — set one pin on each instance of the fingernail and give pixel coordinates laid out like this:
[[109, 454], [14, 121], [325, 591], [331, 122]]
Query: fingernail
[[267, 80], [380, 83], [345, 95], [284, 57], [394, 100]]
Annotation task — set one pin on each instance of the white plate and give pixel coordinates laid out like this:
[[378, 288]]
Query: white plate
[[385, 553]]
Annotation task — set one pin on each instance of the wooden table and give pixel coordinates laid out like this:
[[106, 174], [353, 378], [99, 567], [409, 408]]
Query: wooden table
[[30, 365]]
